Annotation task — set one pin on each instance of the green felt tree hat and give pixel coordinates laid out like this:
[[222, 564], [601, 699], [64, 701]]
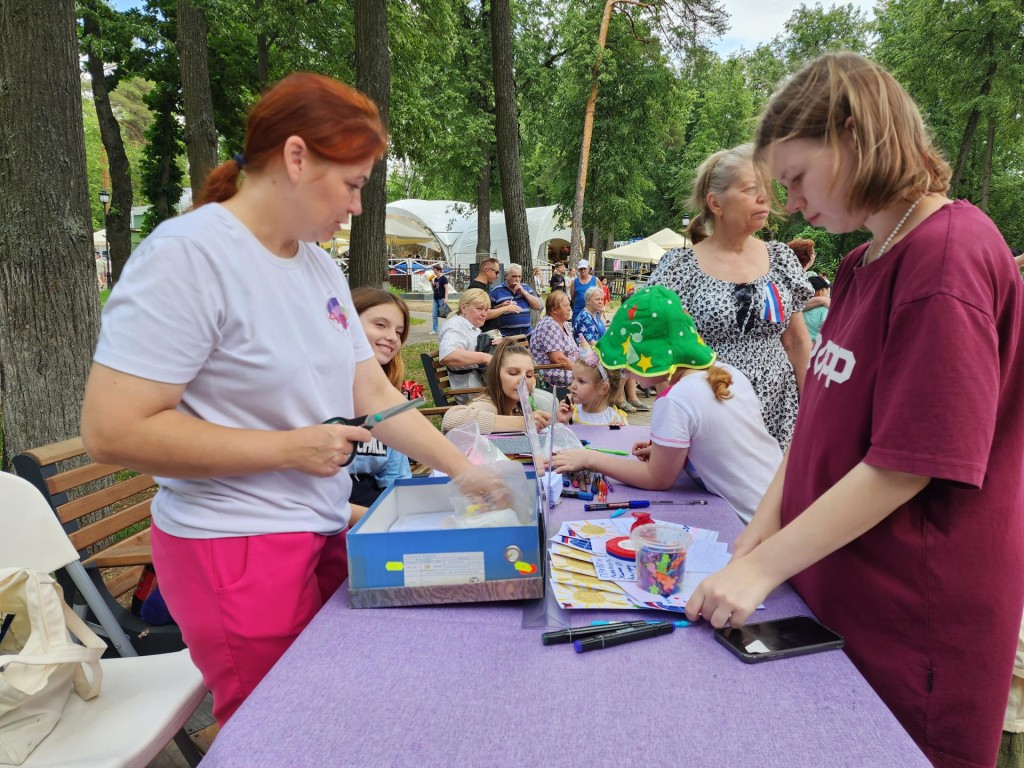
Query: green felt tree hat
[[652, 335]]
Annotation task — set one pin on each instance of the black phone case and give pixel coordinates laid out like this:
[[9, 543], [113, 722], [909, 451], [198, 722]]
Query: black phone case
[[757, 658]]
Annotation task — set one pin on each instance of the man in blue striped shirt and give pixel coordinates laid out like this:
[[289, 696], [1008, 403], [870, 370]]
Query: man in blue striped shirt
[[521, 295]]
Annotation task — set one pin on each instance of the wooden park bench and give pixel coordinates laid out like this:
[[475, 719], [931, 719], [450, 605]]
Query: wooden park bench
[[104, 508]]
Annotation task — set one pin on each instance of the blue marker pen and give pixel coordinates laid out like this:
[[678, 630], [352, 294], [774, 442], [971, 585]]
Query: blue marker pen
[[678, 622]]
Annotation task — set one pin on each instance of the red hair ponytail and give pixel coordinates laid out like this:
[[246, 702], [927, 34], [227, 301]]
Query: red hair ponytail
[[337, 122]]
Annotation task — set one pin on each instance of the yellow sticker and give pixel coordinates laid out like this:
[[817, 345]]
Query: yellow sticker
[[394, 565]]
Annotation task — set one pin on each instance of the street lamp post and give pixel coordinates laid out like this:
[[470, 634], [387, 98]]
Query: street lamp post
[[104, 201]]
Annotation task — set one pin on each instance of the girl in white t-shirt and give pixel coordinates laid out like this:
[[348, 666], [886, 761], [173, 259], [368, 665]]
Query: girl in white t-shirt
[[591, 388], [707, 423]]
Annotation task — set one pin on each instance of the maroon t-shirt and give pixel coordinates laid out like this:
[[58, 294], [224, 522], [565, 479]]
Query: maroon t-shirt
[[918, 368]]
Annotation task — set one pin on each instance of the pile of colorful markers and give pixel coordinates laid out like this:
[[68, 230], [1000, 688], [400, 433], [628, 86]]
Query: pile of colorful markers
[[605, 634]]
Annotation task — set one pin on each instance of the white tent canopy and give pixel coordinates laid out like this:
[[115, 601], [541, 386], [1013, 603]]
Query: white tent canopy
[[440, 220], [643, 251], [395, 231], [668, 238], [543, 225]]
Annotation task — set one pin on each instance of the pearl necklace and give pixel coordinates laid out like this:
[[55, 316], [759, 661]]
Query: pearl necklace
[[885, 243]]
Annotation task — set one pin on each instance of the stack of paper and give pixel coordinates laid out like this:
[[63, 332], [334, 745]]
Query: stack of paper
[[583, 575]]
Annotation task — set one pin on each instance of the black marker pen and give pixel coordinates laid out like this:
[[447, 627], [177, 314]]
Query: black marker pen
[[623, 636], [562, 636]]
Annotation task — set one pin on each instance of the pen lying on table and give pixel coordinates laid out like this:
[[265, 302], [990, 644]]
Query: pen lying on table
[[639, 504], [572, 634], [612, 451], [628, 635]]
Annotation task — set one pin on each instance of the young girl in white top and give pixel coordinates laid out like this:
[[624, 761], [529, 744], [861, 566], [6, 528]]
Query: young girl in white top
[[592, 387], [707, 424]]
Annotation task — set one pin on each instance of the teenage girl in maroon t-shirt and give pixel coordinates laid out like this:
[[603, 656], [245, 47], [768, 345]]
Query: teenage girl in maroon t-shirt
[[898, 512]]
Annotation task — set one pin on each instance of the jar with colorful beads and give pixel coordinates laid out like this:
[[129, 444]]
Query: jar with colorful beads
[[660, 557]]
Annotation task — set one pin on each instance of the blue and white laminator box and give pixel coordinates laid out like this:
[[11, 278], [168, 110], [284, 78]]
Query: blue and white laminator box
[[448, 565]]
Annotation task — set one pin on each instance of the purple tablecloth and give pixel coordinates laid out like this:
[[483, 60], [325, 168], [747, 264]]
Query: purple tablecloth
[[466, 685]]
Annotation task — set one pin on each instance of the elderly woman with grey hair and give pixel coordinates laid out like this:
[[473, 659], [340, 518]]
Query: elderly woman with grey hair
[[588, 323]]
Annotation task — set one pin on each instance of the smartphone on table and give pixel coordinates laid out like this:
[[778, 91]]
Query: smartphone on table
[[767, 640]]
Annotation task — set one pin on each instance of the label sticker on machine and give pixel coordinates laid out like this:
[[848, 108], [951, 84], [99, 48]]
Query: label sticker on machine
[[435, 569]]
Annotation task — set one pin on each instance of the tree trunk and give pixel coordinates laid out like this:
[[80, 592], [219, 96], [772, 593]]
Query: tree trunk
[[48, 288], [972, 120], [483, 205], [118, 217], [986, 173], [368, 253], [507, 129], [483, 185], [194, 59], [262, 61], [576, 238], [598, 247]]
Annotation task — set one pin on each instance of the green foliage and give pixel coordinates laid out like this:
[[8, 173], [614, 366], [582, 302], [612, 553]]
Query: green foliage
[[963, 61], [162, 173], [811, 32], [665, 99]]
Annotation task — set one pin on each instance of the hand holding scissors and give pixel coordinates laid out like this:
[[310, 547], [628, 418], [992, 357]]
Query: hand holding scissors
[[373, 419]]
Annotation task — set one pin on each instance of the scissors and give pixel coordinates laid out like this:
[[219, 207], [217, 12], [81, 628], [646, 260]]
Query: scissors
[[369, 422]]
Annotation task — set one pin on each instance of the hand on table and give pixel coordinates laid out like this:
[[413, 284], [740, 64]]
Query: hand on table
[[321, 450], [731, 595], [572, 460]]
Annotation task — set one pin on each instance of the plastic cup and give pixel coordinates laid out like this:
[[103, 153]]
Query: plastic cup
[[660, 557]]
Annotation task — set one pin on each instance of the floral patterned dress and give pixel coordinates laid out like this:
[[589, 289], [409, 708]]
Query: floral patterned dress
[[549, 337], [744, 323]]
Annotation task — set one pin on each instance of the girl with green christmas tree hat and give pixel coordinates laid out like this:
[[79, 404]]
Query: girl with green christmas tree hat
[[706, 426]]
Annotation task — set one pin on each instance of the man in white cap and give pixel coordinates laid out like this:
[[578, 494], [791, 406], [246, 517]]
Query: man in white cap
[[578, 288]]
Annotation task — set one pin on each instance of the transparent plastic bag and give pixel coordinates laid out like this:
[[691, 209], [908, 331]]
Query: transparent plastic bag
[[563, 438], [476, 447], [493, 495]]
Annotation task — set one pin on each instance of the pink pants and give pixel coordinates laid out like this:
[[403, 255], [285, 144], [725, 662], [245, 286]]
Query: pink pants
[[240, 602]]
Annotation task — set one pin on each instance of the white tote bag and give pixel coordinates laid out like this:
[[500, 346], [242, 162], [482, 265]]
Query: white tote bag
[[39, 663]]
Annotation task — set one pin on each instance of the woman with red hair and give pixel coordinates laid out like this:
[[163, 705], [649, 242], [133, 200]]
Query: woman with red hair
[[229, 341]]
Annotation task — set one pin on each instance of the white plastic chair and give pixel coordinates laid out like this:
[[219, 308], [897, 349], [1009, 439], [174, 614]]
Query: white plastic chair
[[145, 700]]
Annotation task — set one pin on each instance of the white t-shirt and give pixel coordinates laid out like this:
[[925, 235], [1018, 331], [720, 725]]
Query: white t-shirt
[[458, 333], [610, 415], [727, 442], [260, 342]]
